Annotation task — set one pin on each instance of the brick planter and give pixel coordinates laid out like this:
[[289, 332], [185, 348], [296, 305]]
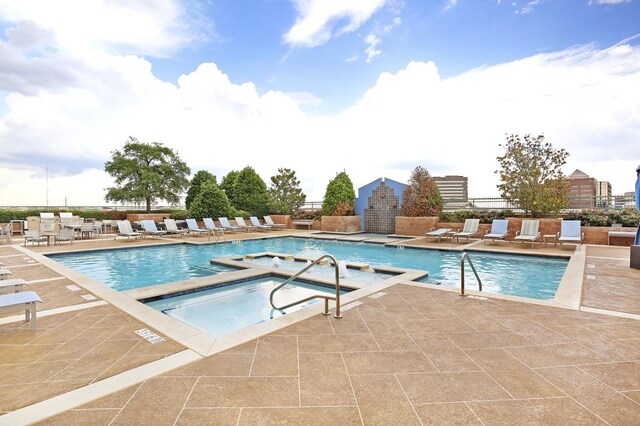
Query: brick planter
[[415, 225], [156, 217], [340, 223]]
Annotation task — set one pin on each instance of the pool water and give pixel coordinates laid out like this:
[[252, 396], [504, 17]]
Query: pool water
[[123, 269], [223, 310]]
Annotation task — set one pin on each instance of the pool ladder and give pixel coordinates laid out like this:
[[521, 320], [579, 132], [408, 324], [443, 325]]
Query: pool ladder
[[317, 296], [473, 268]]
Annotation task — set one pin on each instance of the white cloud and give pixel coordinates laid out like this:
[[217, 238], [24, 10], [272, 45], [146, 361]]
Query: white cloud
[[528, 8], [450, 4], [609, 1], [584, 99], [319, 20], [375, 38]]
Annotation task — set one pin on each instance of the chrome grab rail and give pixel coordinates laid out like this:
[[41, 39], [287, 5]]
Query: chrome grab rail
[[473, 268], [326, 298]]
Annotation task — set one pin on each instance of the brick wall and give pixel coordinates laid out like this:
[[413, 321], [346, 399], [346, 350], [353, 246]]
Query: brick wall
[[340, 223]]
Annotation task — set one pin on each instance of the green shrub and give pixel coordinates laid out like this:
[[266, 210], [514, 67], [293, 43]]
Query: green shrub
[[339, 190], [211, 202], [307, 214]]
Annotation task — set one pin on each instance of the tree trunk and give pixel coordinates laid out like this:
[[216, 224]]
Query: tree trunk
[[148, 204]]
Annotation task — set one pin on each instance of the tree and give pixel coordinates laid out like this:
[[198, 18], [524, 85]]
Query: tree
[[198, 180], [531, 175], [421, 197], [339, 190], [146, 172], [211, 201], [228, 184], [285, 192], [250, 193]]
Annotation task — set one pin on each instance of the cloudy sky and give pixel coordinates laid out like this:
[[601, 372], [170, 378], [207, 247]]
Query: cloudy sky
[[373, 87]]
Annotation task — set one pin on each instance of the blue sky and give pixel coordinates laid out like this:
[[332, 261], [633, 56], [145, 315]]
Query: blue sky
[[375, 87]]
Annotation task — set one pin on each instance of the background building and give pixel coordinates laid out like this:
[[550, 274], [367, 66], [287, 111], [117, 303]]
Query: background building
[[582, 190], [604, 197]]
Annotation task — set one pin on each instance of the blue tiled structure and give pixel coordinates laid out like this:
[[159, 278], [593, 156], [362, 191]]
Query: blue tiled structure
[[378, 203]]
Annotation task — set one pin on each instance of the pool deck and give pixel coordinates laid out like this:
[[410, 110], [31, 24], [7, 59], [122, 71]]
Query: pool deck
[[403, 353]]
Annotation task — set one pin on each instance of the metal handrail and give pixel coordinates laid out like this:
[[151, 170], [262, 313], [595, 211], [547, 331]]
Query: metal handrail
[[473, 268], [326, 298]]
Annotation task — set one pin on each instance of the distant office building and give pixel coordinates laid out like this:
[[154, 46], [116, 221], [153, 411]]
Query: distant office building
[[454, 188], [604, 197], [582, 190]]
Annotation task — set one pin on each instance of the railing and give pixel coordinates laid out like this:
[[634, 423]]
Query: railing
[[613, 202], [317, 296], [473, 268]]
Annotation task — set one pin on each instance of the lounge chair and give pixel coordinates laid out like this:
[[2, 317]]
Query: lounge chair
[[469, 230], [211, 226], [194, 228], [18, 301], [570, 232], [272, 224], [528, 232], [172, 227], [65, 234], [149, 228], [499, 230], [4, 273], [241, 223], [125, 230], [440, 233], [256, 223], [33, 237], [11, 286], [224, 222], [5, 233]]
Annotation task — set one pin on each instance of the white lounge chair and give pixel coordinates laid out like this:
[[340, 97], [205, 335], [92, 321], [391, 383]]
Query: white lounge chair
[[172, 227], [149, 228], [25, 300], [272, 224], [4, 273], [224, 222], [439, 233], [12, 285], [33, 237], [241, 223], [499, 230], [194, 228], [125, 230], [256, 223], [570, 232], [469, 230], [65, 234], [528, 232], [211, 226]]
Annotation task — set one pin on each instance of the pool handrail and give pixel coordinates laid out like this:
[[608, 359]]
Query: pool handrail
[[465, 255], [326, 298]]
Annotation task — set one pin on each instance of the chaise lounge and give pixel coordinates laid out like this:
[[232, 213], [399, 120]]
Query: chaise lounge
[[469, 230], [125, 230], [570, 232], [439, 233], [25, 300], [499, 230], [528, 232]]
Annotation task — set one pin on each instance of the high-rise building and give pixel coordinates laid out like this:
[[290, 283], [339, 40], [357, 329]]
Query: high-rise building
[[604, 197], [454, 191], [582, 190]]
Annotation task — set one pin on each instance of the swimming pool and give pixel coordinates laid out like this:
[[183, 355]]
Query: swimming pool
[[223, 310], [123, 269]]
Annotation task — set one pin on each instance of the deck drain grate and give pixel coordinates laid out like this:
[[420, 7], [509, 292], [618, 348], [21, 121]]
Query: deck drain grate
[[149, 336]]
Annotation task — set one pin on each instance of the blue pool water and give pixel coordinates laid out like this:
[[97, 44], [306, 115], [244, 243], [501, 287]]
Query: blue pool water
[[527, 276], [223, 310]]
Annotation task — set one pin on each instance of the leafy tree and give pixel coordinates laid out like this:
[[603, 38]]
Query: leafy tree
[[146, 172], [530, 175], [211, 201], [250, 193], [285, 192], [200, 178], [228, 184], [421, 197], [339, 190]]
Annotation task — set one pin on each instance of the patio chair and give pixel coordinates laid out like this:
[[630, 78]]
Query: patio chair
[[211, 226], [5, 233], [224, 222], [272, 224], [149, 228], [570, 232], [86, 229], [241, 223], [499, 230], [194, 228], [65, 234], [18, 301], [469, 230], [256, 224], [440, 233], [172, 227], [125, 230], [33, 237], [528, 233], [12, 286]]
